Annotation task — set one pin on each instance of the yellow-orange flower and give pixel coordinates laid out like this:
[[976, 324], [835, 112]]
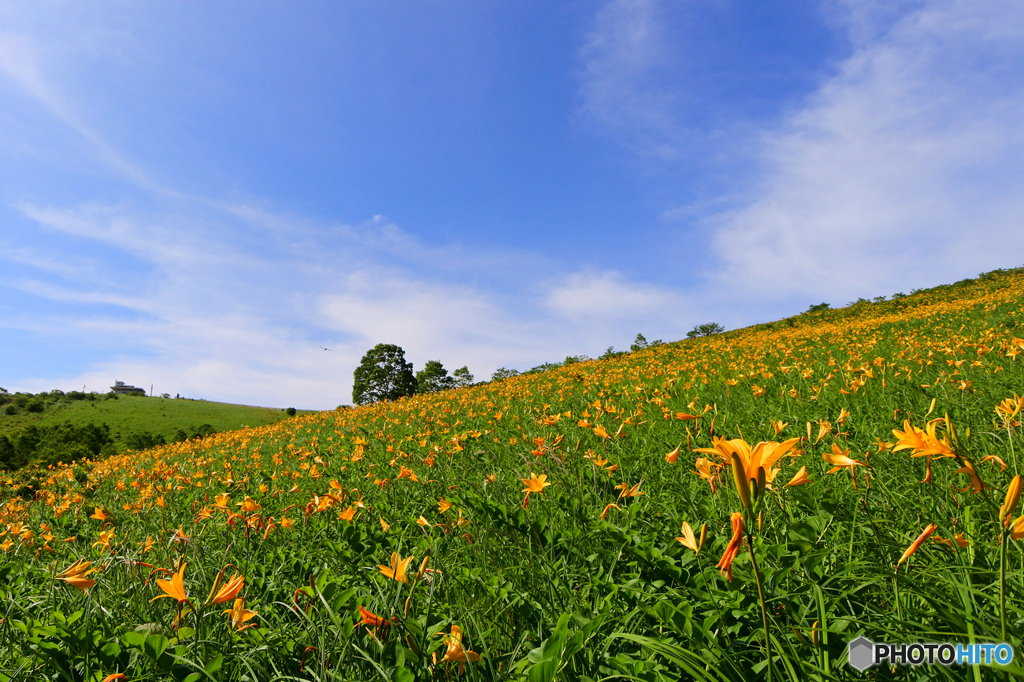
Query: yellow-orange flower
[[799, 479], [628, 490], [1012, 498], [840, 459], [175, 587], [688, 539], [735, 544], [227, 591], [1017, 529], [764, 455], [370, 620], [916, 544], [976, 485], [76, 573], [238, 614], [456, 652], [397, 569]]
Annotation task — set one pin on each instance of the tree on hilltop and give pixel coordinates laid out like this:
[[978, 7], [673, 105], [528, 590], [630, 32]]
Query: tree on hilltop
[[433, 378], [708, 329], [382, 374]]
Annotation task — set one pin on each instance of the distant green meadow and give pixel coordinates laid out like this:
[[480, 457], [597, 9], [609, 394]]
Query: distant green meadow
[[735, 507], [132, 421]]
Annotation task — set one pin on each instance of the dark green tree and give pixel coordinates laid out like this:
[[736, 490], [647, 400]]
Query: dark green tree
[[502, 373], [708, 329], [462, 377], [383, 374], [433, 378]]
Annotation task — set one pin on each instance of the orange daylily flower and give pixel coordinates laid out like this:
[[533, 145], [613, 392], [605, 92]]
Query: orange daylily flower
[[443, 505], [959, 540], [248, 505], [106, 536], [76, 573], [628, 491], [673, 456], [456, 652], [688, 538], [1017, 529], [840, 459], [975, 485], [707, 470], [534, 484], [608, 507], [1013, 492], [371, 620], [175, 587], [398, 567], [239, 614], [799, 479], [916, 544], [764, 455], [226, 592], [725, 563]]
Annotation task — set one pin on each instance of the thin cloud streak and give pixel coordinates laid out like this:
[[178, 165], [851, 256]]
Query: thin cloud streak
[[905, 167]]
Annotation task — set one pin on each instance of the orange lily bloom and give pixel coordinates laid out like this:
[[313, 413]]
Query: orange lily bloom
[[628, 490], [456, 651], [76, 573], [239, 614], [799, 479], [916, 544], [840, 459], [534, 484], [735, 544], [688, 539], [707, 470], [175, 587], [398, 567], [370, 620], [1013, 492], [228, 591], [1017, 529], [975, 484], [764, 455], [959, 540]]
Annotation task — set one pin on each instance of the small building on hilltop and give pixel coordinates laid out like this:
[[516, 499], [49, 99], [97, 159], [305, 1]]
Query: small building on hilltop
[[121, 388]]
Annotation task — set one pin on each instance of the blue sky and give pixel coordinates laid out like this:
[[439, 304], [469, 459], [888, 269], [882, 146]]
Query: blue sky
[[199, 196]]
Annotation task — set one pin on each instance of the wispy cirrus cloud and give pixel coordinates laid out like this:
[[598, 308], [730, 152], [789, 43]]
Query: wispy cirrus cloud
[[903, 168]]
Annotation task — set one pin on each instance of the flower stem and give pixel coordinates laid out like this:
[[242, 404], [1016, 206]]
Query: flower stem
[[1002, 581], [764, 607]]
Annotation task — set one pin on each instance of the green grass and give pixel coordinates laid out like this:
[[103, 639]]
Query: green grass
[[157, 416], [562, 586]]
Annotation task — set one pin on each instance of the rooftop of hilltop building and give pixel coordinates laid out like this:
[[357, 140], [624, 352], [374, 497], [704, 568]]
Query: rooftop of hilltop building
[[122, 388]]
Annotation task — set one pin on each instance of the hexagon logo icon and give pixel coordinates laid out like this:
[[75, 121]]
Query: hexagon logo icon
[[862, 653]]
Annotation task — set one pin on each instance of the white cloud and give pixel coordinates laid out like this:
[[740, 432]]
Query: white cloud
[[619, 84], [903, 168], [606, 295]]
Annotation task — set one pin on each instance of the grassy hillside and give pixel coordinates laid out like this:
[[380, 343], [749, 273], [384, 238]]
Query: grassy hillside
[[127, 416], [852, 471]]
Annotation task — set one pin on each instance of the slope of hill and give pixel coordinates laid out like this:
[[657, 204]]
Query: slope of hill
[[734, 507], [124, 422]]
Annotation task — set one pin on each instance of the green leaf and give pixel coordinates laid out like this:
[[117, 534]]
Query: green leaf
[[155, 645], [134, 639], [548, 656], [214, 664], [402, 675]]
